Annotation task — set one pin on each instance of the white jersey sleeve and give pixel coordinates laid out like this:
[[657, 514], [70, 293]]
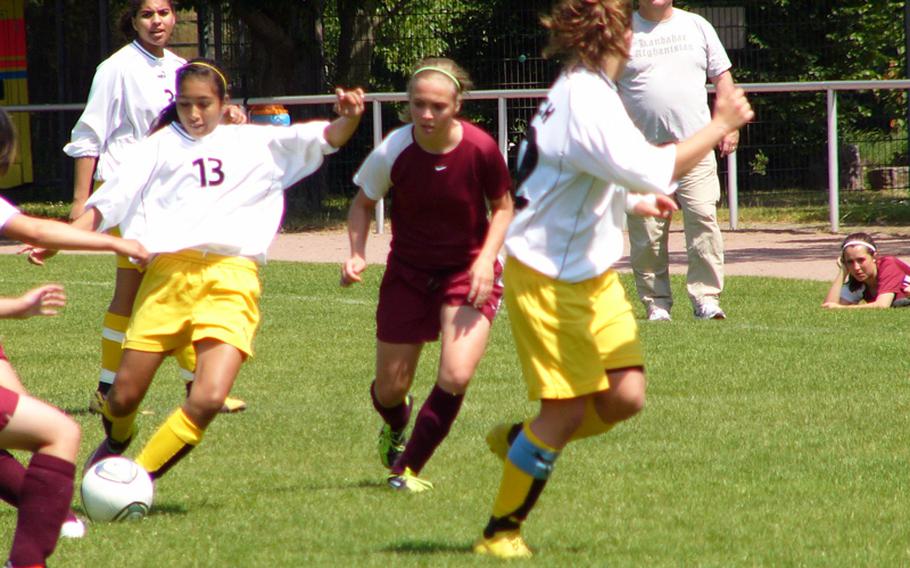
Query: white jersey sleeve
[[116, 199], [7, 212], [298, 149], [606, 144], [104, 105], [375, 174]]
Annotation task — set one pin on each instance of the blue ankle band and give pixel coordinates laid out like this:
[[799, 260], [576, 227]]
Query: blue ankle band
[[531, 458]]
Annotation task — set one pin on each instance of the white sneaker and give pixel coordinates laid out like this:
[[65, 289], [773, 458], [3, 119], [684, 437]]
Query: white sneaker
[[656, 313], [72, 527], [709, 311]]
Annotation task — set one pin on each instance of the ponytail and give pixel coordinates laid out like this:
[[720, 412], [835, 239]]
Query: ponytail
[[165, 118]]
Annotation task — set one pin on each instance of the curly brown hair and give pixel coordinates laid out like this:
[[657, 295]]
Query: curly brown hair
[[586, 32]]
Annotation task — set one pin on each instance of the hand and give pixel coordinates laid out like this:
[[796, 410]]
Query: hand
[[482, 275], [350, 103], [37, 255], [234, 114], [832, 305], [42, 301], [733, 110], [351, 271], [663, 207], [134, 250], [729, 143]]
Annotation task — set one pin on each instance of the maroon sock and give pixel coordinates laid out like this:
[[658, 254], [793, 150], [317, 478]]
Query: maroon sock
[[44, 502], [431, 427], [396, 417], [12, 472]]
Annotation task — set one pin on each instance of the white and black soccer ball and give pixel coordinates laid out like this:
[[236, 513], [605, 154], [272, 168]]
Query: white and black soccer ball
[[116, 489]]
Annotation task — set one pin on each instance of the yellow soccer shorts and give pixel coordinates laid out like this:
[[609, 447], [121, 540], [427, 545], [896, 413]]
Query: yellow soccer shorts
[[191, 295], [569, 334]]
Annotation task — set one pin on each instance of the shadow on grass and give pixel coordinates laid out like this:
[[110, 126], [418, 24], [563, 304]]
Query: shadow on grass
[[426, 547]]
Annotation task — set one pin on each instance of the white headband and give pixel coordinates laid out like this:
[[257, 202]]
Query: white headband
[[857, 243]]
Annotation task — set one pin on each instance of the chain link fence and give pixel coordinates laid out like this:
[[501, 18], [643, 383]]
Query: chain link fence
[[783, 153]]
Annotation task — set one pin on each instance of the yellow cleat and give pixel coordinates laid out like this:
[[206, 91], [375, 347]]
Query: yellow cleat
[[408, 482], [232, 405], [498, 440], [504, 545]]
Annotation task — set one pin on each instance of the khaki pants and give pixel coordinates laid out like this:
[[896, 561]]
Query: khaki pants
[[698, 193]]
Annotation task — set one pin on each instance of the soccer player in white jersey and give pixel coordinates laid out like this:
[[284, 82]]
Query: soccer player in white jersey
[[42, 492], [442, 274], [183, 193], [128, 91], [573, 326]]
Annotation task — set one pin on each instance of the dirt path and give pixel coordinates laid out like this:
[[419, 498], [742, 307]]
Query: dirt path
[[780, 251], [775, 250]]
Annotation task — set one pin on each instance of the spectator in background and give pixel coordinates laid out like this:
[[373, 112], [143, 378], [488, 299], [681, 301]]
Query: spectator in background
[[663, 90], [867, 280]]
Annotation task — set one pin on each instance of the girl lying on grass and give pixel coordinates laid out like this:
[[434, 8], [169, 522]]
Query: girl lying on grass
[[866, 279]]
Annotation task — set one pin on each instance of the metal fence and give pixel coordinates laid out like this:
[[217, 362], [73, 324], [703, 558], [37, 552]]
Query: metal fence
[[784, 150], [492, 109]]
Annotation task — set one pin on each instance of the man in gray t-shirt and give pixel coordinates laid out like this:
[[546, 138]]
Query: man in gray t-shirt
[[673, 53]]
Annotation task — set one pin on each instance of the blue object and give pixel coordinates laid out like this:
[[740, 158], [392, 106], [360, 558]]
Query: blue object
[[283, 119]]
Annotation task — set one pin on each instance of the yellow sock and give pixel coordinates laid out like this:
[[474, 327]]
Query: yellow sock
[[524, 475], [173, 440], [119, 428], [591, 425], [114, 327]]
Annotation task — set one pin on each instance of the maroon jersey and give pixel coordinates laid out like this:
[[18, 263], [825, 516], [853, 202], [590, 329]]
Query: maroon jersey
[[439, 201], [893, 277]]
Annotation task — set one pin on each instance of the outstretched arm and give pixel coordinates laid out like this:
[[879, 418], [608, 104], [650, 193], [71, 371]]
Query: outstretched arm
[[731, 112], [56, 235], [349, 106]]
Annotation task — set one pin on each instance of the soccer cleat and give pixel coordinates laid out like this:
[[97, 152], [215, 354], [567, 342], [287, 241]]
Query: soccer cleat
[[656, 313], [498, 440], [504, 545], [390, 445], [709, 311], [96, 402], [72, 527], [232, 405], [408, 482], [107, 448]]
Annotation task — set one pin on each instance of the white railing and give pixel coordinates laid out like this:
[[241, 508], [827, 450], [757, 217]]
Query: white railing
[[502, 96]]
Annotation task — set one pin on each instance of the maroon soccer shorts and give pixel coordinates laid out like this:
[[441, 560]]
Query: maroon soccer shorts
[[410, 301], [8, 402]]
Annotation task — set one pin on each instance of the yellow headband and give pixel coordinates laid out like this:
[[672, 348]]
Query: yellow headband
[[439, 70], [213, 68]]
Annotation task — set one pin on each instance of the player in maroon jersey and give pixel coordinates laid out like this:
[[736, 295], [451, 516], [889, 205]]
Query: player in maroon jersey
[[442, 275]]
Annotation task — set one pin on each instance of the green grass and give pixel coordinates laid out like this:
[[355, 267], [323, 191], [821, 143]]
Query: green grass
[[778, 437], [858, 208]]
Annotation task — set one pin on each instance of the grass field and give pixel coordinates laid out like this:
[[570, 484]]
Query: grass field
[[778, 437]]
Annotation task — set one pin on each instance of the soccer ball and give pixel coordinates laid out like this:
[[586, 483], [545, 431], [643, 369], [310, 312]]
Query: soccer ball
[[116, 489]]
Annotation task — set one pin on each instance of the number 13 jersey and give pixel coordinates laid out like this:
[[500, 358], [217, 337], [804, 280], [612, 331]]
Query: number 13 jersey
[[222, 193]]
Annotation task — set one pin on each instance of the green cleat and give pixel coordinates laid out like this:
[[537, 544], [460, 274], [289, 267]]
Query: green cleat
[[498, 440], [408, 482], [391, 444], [504, 545]]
